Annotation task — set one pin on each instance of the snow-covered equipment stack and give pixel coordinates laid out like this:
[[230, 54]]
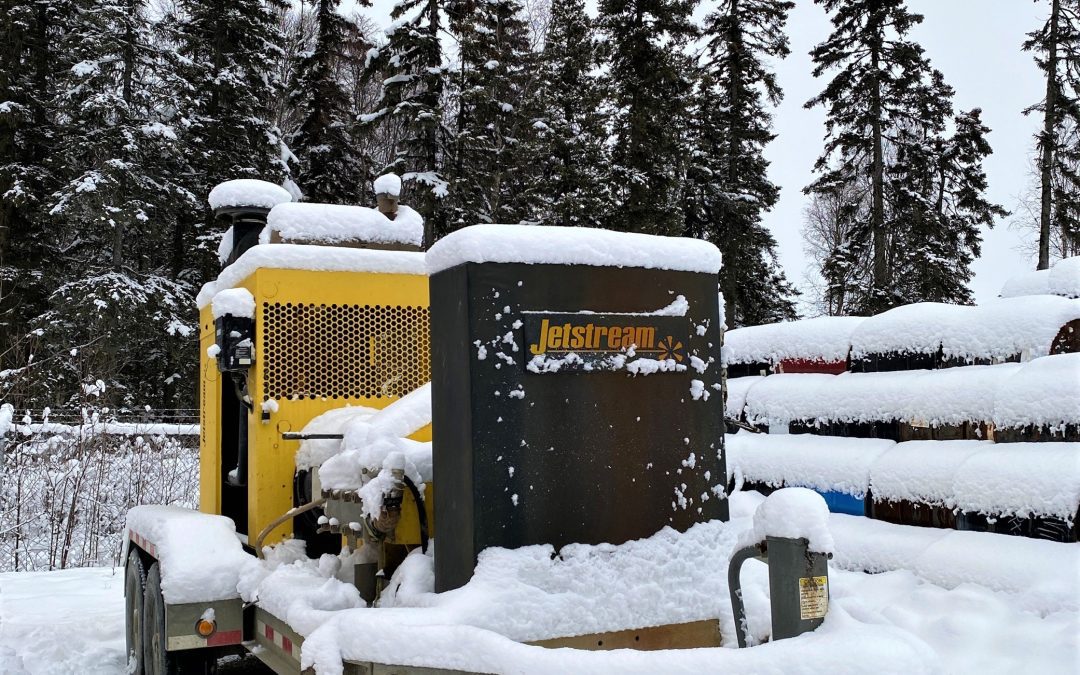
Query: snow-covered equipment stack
[[244, 204], [818, 345], [576, 388]]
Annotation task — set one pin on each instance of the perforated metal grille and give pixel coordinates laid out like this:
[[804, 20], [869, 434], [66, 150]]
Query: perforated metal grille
[[343, 351]]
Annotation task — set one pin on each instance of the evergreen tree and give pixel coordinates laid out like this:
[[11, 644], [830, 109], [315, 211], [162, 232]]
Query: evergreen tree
[[492, 86], [411, 105], [122, 185], [651, 81], [730, 188], [567, 151], [1057, 53], [225, 56], [29, 63], [330, 168], [887, 116]]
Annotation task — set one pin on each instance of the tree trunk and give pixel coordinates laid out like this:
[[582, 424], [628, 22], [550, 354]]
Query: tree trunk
[[877, 211], [1046, 159], [734, 68]]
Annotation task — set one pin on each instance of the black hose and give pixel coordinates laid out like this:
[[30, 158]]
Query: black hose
[[421, 512]]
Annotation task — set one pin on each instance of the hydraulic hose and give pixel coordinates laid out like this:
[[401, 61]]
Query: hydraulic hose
[[291, 513]]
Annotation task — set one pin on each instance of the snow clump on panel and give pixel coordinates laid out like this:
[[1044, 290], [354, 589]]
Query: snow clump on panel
[[387, 184], [238, 302], [793, 513], [1064, 278], [248, 192], [313, 258], [331, 223], [826, 338], [548, 244]]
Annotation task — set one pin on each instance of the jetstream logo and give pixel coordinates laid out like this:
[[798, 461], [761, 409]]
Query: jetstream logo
[[584, 338]]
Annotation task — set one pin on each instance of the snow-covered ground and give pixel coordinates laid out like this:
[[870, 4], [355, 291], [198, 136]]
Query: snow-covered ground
[[72, 621]]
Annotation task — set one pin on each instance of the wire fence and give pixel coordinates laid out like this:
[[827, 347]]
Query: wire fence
[[67, 482]]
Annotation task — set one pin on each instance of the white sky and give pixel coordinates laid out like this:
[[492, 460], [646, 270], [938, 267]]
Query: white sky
[[976, 44]]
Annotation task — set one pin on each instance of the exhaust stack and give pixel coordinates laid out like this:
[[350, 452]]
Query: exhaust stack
[[244, 204]]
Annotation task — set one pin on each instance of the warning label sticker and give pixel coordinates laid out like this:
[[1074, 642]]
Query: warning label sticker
[[813, 597]]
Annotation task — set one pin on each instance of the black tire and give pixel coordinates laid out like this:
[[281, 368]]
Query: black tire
[[158, 661], [134, 587]]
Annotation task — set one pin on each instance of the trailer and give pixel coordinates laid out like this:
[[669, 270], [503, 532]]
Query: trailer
[[364, 404]]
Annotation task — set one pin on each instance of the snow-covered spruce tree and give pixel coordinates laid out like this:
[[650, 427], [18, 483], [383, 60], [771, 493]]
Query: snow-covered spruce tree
[[29, 62], [224, 60], [727, 178], [651, 82], [330, 167], [886, 112], [123, 184], [936, 193], [1057, 52], [410, 109], [566, 146], [491, 87]]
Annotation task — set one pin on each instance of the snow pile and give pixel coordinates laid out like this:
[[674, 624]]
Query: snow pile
[[238, 302], [1039, 575], [248, 192], [298, 590], [1043, 392], [826, 338], [199, 553], [922, 471], [1064, 278], [916, 328], [313, 258], [553, 245], [1021, 479], [376, 446], [825, 463], [387, 184], [313, 452], [997, 330], [336, 223], [1028, 283], [793, 513], [737, 387]]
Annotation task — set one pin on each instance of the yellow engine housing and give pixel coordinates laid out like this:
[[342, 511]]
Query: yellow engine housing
[[323, 340]]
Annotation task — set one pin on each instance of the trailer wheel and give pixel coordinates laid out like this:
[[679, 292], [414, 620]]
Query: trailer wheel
[[134, 587], [158, 661]]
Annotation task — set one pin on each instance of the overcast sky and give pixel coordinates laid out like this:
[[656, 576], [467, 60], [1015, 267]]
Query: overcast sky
[[976, 44]]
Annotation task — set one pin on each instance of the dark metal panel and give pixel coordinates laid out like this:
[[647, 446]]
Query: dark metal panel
[[524, 458]]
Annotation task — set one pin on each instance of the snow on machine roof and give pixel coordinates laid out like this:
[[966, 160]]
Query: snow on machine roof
[[553, 245], [306, 222]]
